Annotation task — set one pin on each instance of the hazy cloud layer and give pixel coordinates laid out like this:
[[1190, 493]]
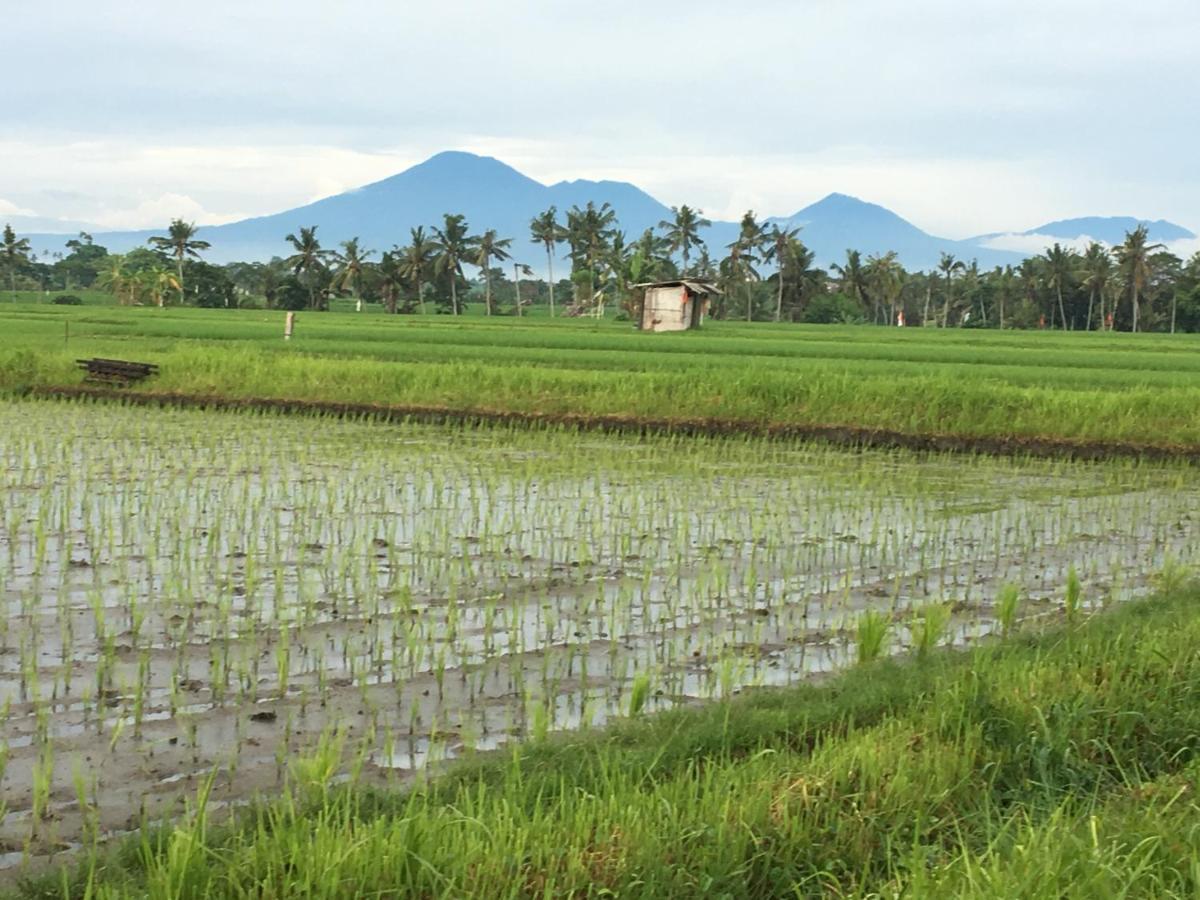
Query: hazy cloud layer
[[964, 119], [1034, 244]]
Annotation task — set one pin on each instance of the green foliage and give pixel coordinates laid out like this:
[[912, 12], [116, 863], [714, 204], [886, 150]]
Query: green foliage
[[833, 309], [67, 300], [209, 286]]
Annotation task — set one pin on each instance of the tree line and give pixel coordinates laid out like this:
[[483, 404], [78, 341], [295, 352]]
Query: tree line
[[766, 274]]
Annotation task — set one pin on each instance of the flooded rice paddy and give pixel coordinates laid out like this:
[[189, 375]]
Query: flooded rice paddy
[[187, 592]]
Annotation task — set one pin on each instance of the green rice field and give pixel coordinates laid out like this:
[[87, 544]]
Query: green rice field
[[1078, 389], [190, 593]]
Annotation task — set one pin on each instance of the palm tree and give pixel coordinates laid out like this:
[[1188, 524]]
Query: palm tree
[[750, 241], [618, 260], [588, 232], [807, 279], [704, 267], [1004, 279], [682, 232], [155, 283], [886, 277], [948, 265], [545, 230], [519, 269], [84, 240], [1059, 264], [270, 279], [415, 260], [391, 277], [1027, 274], [853, 277], [114, 276], [1097, 271], [13, 251], [490, 247], [1133, 262], [649, 256], [779, 242], [453, 246], [180, 241], [308, 260], [972, 289], [350, 264], [1169, 273]]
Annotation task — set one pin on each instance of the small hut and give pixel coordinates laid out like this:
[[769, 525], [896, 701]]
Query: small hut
[[675, 305]]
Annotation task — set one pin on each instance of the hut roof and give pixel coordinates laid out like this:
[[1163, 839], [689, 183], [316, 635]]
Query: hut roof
[[693, 285]]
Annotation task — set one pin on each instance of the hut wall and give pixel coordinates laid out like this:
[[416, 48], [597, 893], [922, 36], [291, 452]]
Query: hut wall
[[667, 309]]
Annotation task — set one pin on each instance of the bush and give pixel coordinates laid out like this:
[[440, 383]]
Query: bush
[[67, 300], [831, 309], [19, 371]]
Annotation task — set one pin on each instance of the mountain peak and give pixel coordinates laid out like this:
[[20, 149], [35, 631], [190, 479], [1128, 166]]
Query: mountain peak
[[845, 199], [460, 163], [844, 206]]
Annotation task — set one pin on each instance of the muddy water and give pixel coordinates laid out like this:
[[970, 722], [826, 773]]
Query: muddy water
[[189, 594]]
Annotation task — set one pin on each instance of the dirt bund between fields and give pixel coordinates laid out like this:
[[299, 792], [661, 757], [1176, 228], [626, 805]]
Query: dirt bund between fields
[[855, 437]]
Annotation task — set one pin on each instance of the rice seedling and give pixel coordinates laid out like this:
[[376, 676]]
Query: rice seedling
[[871, 635], [928, 627], [42, 781], [1008, 606], [1073, 595], [639, 693], [198, 590], [1173, 576]]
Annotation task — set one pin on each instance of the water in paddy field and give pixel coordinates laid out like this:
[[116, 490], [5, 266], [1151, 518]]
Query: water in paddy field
[[188, 592]]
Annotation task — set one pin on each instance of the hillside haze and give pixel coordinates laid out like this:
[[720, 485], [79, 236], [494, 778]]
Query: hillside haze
[[492, 194]]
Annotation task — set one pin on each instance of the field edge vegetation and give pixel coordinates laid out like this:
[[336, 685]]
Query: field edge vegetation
[[855, 401]]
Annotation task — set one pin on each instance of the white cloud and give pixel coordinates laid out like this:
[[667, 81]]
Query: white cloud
[[11, 209], [257, 107], [1185, 249], [1033, 244], [126, 184], [156, 211]]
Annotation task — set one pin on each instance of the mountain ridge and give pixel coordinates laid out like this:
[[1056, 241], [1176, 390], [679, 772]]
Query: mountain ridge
[[493, 194]]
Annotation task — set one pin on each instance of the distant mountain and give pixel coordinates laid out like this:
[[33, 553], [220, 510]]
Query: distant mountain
[[488, 192], [839, 222], [33, 224], [1111, 229], [492, 194]]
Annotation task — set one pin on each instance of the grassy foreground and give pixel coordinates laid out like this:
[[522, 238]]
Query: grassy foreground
[[1071, 387], [1062, 764]]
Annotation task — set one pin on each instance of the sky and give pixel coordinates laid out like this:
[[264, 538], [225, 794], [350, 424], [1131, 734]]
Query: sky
[[964, 117]]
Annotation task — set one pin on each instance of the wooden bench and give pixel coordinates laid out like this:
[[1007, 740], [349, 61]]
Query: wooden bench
[[115, 371]]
